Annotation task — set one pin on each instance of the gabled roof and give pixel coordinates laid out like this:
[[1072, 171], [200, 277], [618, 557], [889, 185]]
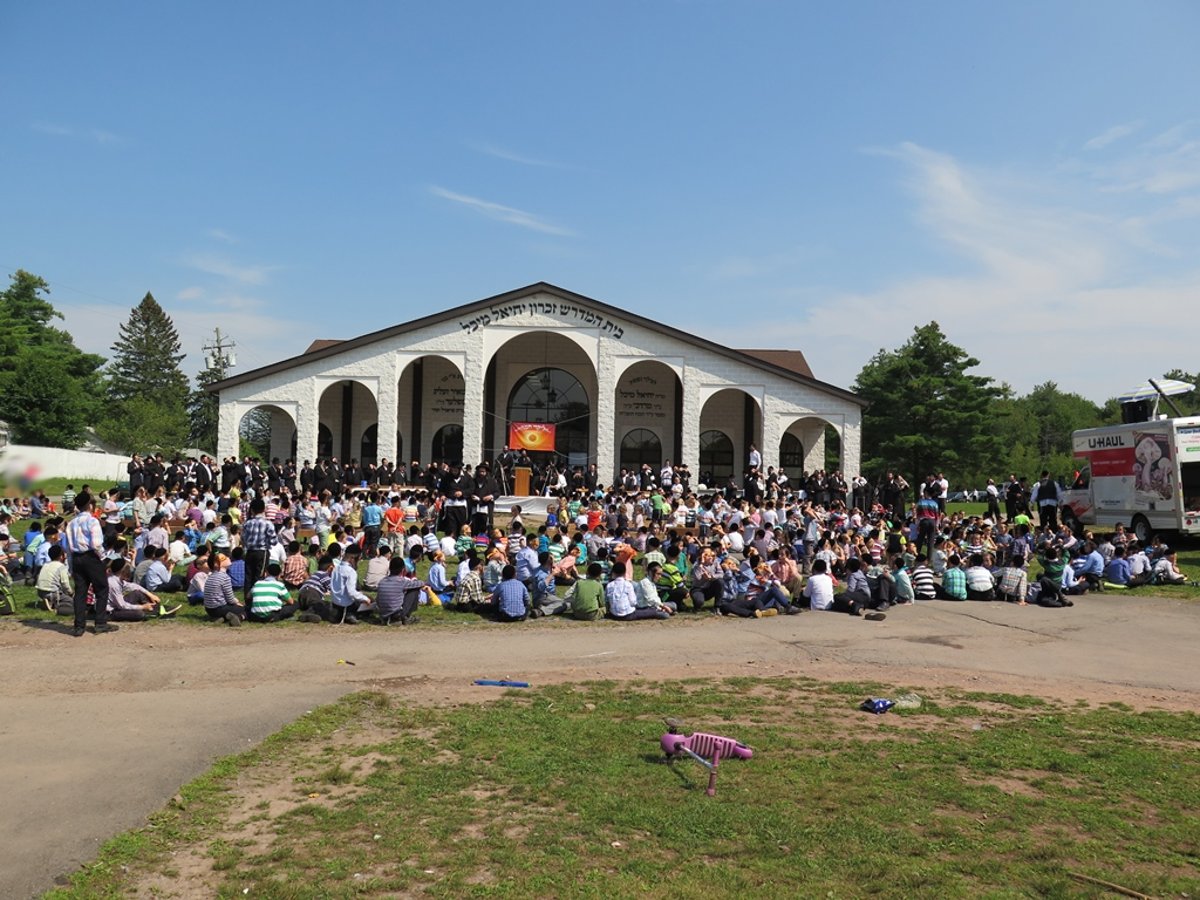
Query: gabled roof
[[788, 364]]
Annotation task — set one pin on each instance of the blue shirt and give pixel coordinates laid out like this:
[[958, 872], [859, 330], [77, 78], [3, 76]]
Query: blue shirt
[[1118, 571], [372, 515], [527, 562], [512, 598]]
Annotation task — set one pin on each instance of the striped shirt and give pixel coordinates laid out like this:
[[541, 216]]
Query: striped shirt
[[218, 591], [84, 534], [268, 596]]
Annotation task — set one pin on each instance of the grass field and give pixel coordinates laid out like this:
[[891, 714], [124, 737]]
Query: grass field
[[563, 791]]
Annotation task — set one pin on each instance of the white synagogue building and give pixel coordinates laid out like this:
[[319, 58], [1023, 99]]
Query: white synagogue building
[[622, 389]]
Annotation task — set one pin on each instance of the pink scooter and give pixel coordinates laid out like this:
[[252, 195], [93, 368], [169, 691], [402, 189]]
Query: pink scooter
[[700, 745]]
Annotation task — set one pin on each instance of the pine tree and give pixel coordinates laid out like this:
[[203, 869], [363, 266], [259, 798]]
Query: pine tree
[[146, 358], [147, 389], [925, 413]]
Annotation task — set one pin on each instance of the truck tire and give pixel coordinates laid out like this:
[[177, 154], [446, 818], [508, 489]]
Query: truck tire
[[1068, 519], [1142, 530]]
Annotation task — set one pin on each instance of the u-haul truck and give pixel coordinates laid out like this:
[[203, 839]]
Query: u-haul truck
[[1145, 475]]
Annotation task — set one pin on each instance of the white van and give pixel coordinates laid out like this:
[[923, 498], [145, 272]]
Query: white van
[[1143, 474]]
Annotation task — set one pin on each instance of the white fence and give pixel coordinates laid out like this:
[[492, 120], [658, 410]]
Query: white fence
[[18, 462]]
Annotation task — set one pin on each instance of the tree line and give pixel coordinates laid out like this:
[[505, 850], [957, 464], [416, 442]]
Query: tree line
[[138, 400], [927, 411]]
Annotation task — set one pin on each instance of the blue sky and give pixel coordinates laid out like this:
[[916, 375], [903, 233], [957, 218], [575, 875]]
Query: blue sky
[[821, 177]]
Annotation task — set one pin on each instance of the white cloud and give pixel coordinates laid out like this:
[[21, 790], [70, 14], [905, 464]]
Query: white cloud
[[502, 213], [223, 236], [509, 156], [216, 265], [190, 293], [1115, 133], [99, 135], [1054, 293]]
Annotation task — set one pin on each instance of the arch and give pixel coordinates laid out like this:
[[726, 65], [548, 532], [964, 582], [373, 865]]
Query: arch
[[649, 396], [554, 395], [506, 390], [448, 444], [641, 446], [716, 457], [737, 414], [820, 444], [346, 409], [270, 430], [430, 394]]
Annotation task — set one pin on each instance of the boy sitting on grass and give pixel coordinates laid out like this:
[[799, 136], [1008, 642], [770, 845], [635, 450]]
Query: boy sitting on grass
[[269, 598], [586, 597]]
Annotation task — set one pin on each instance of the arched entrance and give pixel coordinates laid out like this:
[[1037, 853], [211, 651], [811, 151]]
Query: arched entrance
[[649, 398], [268, 432], [542, 376], [557, 397], [430, 396], [345, 412], [735, 414], [808, 445]]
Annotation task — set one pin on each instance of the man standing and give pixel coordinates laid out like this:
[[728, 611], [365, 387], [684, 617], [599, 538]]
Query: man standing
[[993, 501], [483, 498], [1045, 495], [258, 537], [85, 540]]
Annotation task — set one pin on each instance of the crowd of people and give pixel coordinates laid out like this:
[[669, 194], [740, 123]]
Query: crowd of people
[[262, 544]]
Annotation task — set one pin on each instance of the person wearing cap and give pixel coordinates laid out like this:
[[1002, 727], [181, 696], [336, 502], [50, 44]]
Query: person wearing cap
[[347, 598]]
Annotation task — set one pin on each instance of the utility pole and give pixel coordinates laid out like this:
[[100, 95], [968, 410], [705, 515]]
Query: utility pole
[[220, 353]]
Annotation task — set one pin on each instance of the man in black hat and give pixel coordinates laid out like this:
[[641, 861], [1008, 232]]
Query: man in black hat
[[456, 488], [483, 498]]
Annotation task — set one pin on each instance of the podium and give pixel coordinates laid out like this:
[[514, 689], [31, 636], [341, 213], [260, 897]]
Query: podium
[[522, 475]]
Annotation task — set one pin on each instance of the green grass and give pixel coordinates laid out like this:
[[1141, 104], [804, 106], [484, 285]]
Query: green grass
[[562, 791]]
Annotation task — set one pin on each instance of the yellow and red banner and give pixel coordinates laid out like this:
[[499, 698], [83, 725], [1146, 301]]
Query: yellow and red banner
[[531, 435]]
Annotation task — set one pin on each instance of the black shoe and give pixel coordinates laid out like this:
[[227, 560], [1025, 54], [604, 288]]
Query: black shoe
[[874, 617], [410, 620], [233, 619], [78, 631], [792, 610], [106, 628], [351, 620]]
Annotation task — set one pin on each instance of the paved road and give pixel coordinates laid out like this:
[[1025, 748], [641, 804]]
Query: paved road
[[99, 732]]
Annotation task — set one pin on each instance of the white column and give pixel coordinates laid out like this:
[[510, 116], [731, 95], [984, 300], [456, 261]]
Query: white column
[[229, 416], [308, 419], [473, 431], [605, 418], [852, 445], [387, 412], [693, 405]]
